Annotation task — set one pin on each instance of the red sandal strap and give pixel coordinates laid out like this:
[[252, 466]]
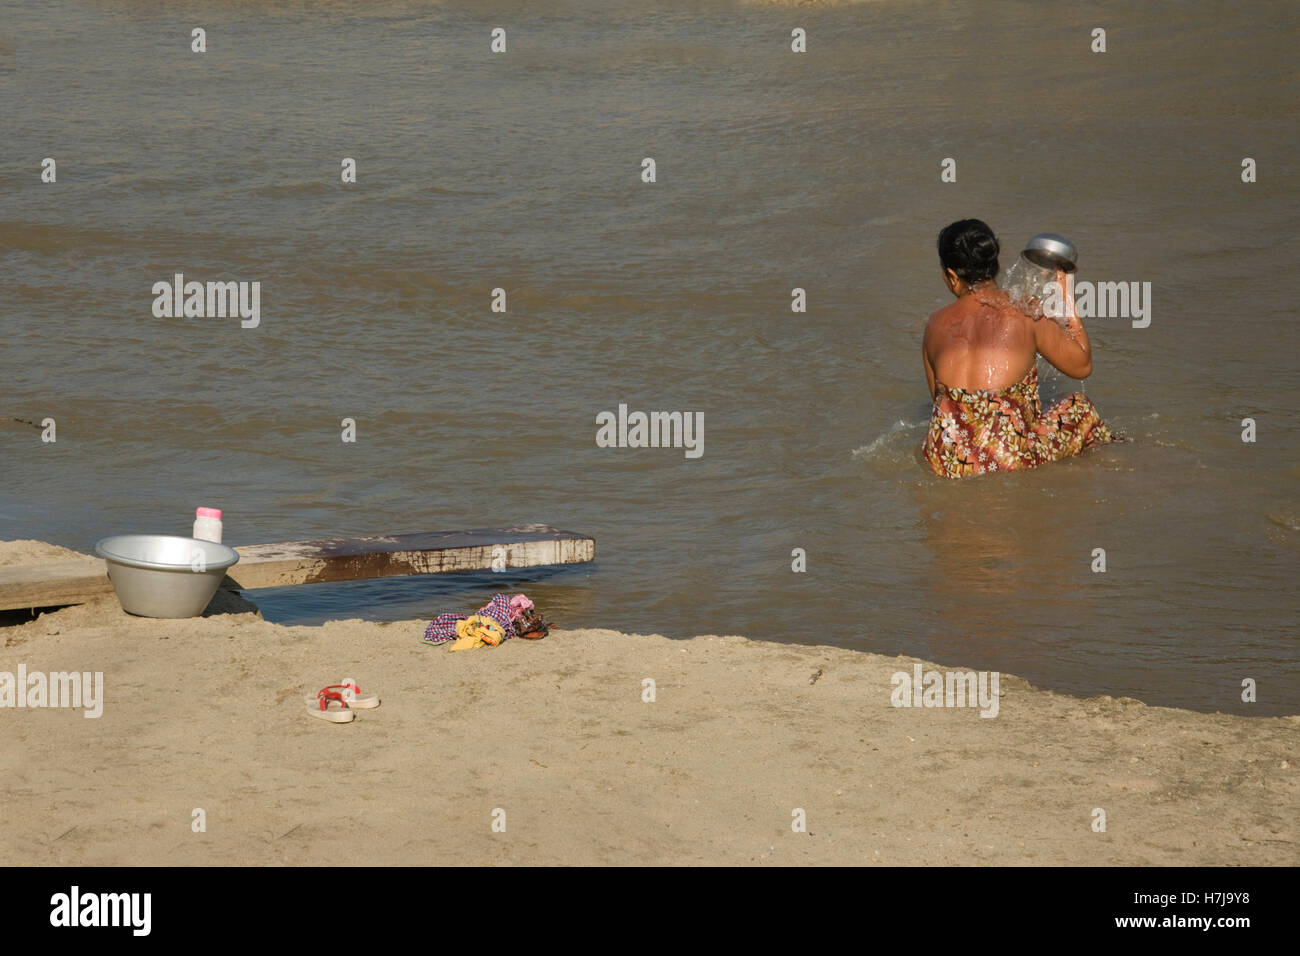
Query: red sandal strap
[[327, 694]]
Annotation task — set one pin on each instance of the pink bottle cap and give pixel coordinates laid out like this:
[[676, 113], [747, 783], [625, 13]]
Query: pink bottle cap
[[208, 513]]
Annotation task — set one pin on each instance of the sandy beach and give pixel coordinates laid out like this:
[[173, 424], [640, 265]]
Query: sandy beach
[[208, 714]]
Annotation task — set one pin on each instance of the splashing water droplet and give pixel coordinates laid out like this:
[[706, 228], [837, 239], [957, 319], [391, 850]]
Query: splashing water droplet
[[1025, 283]]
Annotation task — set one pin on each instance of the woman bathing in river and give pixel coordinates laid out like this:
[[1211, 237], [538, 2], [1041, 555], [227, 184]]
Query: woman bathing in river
[[980, 362]]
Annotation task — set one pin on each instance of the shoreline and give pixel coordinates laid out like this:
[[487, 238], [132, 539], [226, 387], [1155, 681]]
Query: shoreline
[[209, 714]]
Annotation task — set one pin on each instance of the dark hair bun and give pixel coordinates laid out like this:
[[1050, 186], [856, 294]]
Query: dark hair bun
[[970, 249], [981, 249]]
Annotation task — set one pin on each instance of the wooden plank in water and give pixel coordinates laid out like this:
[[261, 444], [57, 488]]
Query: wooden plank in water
[[426, 552], [75, 581], [54, 583]]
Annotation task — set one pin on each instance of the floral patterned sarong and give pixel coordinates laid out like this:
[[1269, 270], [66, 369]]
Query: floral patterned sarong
[[973, 431]]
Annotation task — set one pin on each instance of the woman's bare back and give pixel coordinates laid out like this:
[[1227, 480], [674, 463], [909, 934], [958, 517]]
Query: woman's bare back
[[980, 341]]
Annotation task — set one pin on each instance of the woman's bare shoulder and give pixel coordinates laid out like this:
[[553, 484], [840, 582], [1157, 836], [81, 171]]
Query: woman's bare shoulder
[[947, 313]]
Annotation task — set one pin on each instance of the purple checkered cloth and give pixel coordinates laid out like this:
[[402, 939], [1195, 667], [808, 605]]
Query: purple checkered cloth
[[443, 627]]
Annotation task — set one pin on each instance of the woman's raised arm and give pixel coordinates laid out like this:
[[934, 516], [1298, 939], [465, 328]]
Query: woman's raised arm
[[1067, 349]]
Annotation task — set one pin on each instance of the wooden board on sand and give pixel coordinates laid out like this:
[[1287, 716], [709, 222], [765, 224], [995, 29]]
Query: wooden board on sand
[[75, 581]]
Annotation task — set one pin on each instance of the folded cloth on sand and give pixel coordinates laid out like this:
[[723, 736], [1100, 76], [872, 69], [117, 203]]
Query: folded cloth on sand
[[467, 640], [443, 627], [477, 630], [973, 431]]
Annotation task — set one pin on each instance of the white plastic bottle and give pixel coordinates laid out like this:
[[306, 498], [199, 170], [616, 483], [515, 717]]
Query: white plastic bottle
[[207, 524]]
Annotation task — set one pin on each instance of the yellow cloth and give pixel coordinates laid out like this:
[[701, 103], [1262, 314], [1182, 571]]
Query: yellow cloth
[[488, 629], [475, 631]]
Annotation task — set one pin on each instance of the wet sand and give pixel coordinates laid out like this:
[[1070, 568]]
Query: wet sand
[[209, 714]]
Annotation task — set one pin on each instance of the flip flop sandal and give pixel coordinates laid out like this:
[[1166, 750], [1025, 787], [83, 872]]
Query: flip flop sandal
[[323, 707], [355, 698]]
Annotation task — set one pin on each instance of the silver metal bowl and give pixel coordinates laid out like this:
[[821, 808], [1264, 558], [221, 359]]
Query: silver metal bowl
[[1051, 251], [161, 575]]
